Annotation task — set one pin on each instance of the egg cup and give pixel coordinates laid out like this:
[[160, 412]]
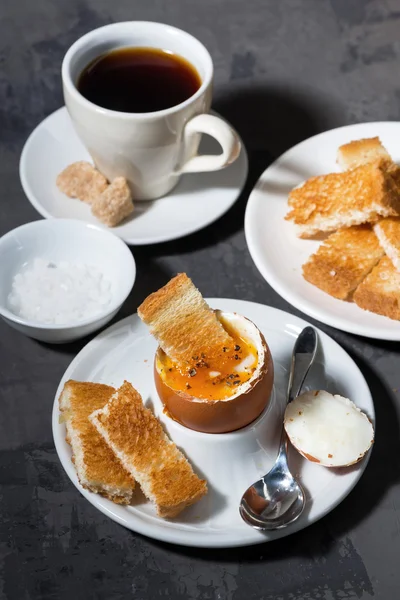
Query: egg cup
[[229, 414]]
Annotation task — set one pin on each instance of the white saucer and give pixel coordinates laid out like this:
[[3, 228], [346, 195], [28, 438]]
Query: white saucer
[[279, 254], [198, 200], [229, 462]]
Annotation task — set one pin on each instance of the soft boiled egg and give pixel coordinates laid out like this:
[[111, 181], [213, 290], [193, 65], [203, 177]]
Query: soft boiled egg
[[328, 429], [221, 397]]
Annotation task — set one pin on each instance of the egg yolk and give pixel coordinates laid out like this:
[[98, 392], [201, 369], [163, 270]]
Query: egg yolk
[[216, 379]]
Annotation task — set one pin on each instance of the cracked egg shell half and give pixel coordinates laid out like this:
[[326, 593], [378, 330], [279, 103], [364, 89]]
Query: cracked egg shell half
[[328, 429], [244, 403]]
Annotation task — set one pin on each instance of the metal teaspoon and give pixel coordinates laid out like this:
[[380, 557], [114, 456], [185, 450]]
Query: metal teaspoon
[[277, 499]]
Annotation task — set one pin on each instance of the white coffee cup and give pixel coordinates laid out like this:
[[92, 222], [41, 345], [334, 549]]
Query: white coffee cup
[[150, 149]]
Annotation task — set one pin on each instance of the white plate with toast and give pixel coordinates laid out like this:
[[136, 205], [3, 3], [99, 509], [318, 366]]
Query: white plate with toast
[[198, 200], [279, 253], [229, 462]]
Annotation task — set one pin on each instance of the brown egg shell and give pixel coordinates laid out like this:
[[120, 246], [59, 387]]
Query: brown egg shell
[[230, 414], [317, 461]]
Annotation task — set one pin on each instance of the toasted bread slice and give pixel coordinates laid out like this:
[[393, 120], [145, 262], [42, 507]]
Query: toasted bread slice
[[388, 234], [97, 468], [361, 152], [394, 172], [380, 291], [136, 436], [330, 202], [183, 323], [343, 261]]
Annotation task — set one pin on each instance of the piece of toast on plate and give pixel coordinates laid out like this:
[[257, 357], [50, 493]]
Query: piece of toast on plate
[[343, 261], [183, 323], [388, 234], [360, 152], [380, 290], [136, 436], [329, 202], [97, 467]]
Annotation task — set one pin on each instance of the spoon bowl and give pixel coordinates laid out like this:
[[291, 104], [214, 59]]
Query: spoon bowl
[[274, 501], [277, 499]]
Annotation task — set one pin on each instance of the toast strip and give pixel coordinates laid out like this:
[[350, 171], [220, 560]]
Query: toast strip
[[136, 436], [388, 234], [343, 261], [380, 291], [183, 323], [330, 202], [97, 468]]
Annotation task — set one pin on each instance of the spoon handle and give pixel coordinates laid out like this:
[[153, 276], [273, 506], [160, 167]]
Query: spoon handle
[[303, 356]]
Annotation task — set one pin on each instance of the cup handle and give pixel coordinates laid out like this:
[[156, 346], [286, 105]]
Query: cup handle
[[225, 136]]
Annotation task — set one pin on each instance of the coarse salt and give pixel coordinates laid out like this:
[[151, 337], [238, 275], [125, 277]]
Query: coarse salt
[[59, 294]]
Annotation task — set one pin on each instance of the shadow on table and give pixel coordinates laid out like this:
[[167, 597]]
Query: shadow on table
[[275, 118], [380, 475]]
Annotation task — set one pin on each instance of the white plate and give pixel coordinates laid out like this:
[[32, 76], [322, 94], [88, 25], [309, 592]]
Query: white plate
[[279, 254], [229, 462], [198, 200]]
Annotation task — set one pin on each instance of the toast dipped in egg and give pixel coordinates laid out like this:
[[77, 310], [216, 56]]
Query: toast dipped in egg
[[183, 324], [213, 369]]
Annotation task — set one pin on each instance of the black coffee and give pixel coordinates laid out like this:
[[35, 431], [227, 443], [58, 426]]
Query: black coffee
[[138, 80]]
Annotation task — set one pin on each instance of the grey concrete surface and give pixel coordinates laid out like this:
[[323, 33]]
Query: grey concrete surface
[[284, 71]]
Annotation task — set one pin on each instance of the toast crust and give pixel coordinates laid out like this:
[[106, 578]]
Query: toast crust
[[343, 261], [388, 233], [329, 202], [138, 439], [183, 323], [97, 468], [380, 291]]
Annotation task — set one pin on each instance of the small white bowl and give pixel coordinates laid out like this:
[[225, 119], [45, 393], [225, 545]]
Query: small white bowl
[[65, 240]]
